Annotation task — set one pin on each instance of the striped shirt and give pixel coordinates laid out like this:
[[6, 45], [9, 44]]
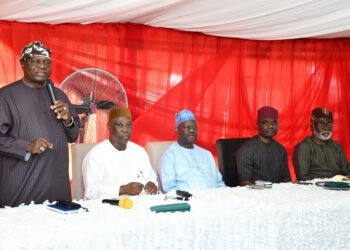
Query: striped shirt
[[25, 115], [257, 160]]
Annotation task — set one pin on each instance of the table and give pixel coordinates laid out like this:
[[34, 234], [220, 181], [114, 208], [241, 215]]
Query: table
[[287, 216]]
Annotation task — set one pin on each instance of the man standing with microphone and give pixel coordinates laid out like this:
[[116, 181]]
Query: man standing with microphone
[[35, 129]]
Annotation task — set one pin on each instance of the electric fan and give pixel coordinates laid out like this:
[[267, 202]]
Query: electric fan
[[93, 92]]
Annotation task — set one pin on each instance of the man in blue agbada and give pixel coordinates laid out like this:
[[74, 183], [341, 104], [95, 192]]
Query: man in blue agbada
[[184, 165]]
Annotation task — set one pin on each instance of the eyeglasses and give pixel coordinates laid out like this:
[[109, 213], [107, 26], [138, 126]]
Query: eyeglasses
[[325, 124]]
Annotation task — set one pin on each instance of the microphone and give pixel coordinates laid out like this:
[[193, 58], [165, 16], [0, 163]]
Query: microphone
[[183, 194], [51, 91], [122, 203]]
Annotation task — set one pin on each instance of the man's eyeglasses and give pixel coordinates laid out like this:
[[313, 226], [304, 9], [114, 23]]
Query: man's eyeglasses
[[325, 124]]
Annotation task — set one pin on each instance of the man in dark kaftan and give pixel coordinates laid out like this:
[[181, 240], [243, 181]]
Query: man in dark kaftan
[[263, 158], [318, 155], [34, 134]]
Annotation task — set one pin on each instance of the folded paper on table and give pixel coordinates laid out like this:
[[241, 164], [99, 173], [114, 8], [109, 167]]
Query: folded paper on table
[[341, 178], [176, 207]]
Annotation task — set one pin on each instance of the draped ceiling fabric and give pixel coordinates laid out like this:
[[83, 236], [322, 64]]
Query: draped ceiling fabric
[[250, 19], [223, 80]]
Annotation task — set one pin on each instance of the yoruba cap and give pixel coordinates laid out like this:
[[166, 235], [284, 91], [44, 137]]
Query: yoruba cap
[[267, 112], [183, 116], [321, 113], [119, 112], [35, 48]]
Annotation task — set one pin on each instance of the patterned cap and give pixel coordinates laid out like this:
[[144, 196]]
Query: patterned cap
[[35, 48], [183, 116], [321, 113]]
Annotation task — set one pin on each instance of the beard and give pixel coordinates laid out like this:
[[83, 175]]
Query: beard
[[323, 135]]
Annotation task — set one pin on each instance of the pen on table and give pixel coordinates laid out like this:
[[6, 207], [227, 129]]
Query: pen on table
[[304, 183]]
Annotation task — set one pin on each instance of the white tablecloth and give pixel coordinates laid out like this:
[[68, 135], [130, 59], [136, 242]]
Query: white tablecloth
[[288, 216]]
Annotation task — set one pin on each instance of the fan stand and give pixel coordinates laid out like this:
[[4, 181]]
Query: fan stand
[[83, 121]]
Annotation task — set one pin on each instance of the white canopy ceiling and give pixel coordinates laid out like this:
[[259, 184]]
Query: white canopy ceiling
[[249, 19]]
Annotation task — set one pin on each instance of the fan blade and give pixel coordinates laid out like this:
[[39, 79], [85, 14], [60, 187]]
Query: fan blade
[[105, 105], [82, 109]]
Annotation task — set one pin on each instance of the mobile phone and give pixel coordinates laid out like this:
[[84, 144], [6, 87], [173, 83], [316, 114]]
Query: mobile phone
[[253, 186], [68, 204]]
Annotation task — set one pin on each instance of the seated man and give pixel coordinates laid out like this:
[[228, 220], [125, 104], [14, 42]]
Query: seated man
[[263, 158], [318, 156], [184, 165], [117, 166]]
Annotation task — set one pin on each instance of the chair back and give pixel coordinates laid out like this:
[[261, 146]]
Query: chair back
[[155, 151], [78, 151], [226, 149], [296, 162]]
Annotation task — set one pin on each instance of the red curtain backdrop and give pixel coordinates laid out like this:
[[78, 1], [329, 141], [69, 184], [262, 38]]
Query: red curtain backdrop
[[224, 81]]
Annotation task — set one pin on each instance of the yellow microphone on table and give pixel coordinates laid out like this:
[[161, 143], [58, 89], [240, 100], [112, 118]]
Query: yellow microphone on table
[[122, 202]]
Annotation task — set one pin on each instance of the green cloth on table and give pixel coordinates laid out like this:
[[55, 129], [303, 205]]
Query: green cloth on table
[[181, 207], [335, 184]]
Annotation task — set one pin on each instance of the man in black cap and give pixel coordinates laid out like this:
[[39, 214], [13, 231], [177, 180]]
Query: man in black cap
[[34, 134], [318, 156]]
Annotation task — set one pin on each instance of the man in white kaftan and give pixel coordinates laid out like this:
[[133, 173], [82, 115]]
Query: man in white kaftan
[[117, 166]]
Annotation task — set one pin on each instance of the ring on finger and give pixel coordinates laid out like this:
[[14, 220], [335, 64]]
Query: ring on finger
[[42, 149]]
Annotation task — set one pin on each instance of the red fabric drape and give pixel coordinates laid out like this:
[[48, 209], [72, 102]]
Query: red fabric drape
[[224, 81]]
